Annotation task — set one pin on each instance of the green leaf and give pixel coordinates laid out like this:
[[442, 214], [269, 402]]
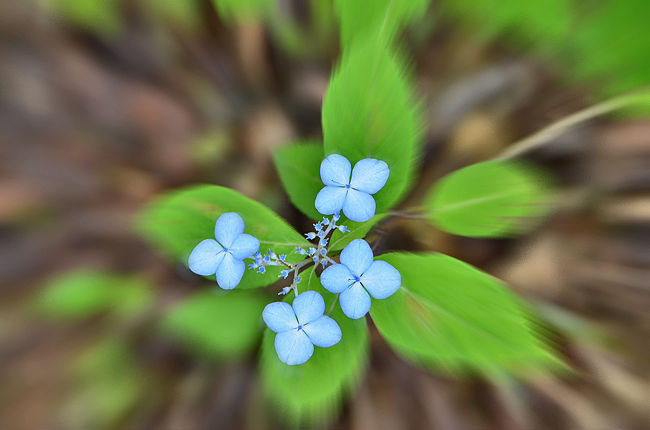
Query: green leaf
[[451, 316], [84, 293], [370, 112], [489, 199], [215, 325], [358, 230], [299, 170], [177, 221], [243, 10], [363, 18], [312, 392]]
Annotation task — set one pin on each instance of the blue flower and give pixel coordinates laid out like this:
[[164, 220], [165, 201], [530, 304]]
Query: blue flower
[[357, 275], [300, 327], [352, 194], [224, 256]]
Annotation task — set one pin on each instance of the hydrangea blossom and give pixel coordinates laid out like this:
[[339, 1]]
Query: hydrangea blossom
[[225, 255], [357, 275], [351, 193], [301, 326]]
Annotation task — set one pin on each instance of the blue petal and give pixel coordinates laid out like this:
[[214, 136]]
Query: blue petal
[[336, 278], [228, 227], [323, 332], [330, 200], [205, 257], [244, 246], [359, 206], [335, 170], [279, 317], [357, 256], [381, 280], [230, 272], [355, 301], [369, 175], [293, 347], [308, 306]]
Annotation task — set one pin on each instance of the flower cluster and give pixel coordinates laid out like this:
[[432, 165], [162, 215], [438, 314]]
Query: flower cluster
[[356, 279]]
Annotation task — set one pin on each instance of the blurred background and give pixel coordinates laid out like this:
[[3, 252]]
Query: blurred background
[[104, 104]]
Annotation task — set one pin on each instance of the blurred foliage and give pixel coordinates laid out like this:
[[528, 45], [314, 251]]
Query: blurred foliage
[[176, 221], [602, 42], [109, 384], [214, 324], [370, 112], [186, 13], [313, 391], [490, 199], [103, 17], [298, 166], [452, 317], [243, 10], [85, 293]]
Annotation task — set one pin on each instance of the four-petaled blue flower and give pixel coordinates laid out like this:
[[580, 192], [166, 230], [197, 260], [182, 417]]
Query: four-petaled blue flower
[[225, 255], [357, 275], [350, 193], [300, 327]]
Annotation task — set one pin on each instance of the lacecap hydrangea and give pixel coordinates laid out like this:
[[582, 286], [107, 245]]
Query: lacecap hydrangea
[[356, 279]]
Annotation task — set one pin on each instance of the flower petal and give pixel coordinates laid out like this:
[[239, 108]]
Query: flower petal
[[205, 257], [308, 306], [330, 200], [381, 280], [335, 170], [228, 227], [244, 246], [279, 317], [358, 206], [369, 175], [293, 347], [336, 278], [230, 272], [323, 332], [357, 256], [355, 301]]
